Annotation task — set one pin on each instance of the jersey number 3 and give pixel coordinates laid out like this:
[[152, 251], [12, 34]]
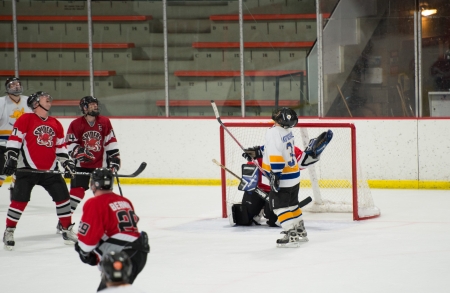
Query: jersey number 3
[[290, 147], [127, 221]]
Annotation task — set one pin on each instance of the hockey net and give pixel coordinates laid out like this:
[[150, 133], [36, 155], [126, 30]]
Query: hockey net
[[336, 183]]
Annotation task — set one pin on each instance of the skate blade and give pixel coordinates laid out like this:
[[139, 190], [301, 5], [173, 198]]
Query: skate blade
[[7, 247], [58, 231], [289, 245], [69, 242]]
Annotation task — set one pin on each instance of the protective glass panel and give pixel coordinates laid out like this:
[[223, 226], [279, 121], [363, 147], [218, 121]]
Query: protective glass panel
[[203, 59], [278, 35], [435, 47], [128, 56], [52, 46], [368, 59]]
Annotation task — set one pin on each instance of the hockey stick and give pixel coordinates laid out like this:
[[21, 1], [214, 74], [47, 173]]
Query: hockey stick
[[216, 112], [134, 174], [259, 191], [118, 183]]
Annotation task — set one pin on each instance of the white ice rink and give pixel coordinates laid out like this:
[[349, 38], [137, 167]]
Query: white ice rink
[[406, 249]]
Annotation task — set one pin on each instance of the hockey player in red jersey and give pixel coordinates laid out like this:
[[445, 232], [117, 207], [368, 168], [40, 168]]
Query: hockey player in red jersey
[[37, 143], [92, 144], [109, 223]]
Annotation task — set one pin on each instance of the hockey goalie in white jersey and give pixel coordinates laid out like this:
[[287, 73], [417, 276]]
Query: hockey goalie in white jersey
[[282, 172]]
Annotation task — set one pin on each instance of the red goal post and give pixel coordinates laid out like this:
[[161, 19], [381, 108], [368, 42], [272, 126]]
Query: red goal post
[[336, 183]]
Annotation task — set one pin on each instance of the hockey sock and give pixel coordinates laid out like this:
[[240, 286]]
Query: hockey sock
[[63, 212], [288, 217], [15, 211], [76, 196]]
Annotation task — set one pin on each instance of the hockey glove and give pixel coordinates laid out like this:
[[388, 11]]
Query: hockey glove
[[275, 181], [69, 169], [89, 258], [254, 152], [317, 145], [10, 162], [114, 163], [82, 154]]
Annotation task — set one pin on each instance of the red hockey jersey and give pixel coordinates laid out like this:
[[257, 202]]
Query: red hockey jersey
[[108, 223], [99, 139], [39, 142]]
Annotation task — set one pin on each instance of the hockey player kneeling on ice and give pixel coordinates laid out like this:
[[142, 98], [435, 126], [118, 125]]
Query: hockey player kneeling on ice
[[109, 223], [283, 173], [254, 208]]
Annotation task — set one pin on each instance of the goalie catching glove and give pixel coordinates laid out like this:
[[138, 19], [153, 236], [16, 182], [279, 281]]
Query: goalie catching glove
[[317, 145], [255, 152], [82, 154]]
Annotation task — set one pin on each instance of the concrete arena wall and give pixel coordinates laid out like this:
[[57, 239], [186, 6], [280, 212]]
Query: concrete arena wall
[[406, 153]]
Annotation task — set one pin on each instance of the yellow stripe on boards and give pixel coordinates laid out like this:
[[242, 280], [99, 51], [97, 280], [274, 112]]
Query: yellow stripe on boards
[[382, 184]]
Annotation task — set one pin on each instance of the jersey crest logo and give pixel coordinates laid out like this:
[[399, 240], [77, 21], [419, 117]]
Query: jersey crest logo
[[45, 135], [92, 140], [17, 113]]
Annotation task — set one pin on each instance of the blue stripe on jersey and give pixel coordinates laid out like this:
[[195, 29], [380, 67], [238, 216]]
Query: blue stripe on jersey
[[277, 166], [5, 137], [285, 176]]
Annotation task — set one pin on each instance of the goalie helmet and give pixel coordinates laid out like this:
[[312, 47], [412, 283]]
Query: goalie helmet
[[116, 267], [13, 86], [286, 117], [33, 99], [84, 105], [102, 178]]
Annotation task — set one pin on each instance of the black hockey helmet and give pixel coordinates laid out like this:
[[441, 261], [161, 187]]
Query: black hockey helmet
[[84, 104], [116, 267], [13, 91], [102, 178], [286, 117], [33, 99]]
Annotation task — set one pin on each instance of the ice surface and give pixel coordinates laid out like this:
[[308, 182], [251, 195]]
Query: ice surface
[[406, 249]]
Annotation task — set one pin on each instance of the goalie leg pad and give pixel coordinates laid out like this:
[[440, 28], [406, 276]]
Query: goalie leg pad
[[240, 215]]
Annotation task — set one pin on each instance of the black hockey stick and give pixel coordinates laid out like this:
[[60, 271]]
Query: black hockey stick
[[216, 112], [259, 191], [134, 174], [118, 183]]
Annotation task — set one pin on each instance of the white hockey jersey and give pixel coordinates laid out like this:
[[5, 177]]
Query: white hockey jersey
[[279, 156], [9, 112]]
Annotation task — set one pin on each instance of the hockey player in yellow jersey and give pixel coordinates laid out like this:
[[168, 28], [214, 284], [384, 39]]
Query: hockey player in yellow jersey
[[12, 106], [283, 173]]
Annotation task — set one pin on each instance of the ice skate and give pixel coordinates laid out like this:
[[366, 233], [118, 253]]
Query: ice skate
[[289, 239], [301, 231], [68, 235], [8, 238], [59, 228]]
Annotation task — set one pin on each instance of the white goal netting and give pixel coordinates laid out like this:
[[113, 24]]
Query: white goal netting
[[336, 183]]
